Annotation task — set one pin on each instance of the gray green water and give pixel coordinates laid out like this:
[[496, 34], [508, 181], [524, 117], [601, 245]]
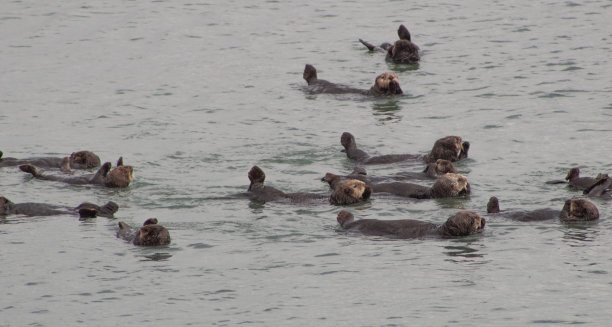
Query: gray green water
[[192, 94]]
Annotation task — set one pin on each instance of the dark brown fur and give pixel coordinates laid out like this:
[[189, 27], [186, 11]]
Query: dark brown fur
[[573, 210], [385, 84], [446, 186], [402, 51], [85, 210], [150, 234], [77, 160]]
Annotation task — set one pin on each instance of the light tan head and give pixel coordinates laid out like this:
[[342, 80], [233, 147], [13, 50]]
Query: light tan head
[[349, 192], [119, 177], [450, 185], [386, 84]]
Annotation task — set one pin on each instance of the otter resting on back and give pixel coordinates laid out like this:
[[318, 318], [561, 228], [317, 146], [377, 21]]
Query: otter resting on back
[[574, 210], [446, 186], [385, 84], [402, 51], [150, 234], [121, 176], [85, 209], [574, 180], [463, 223], [347, 192], [77, 160], [449, 148]]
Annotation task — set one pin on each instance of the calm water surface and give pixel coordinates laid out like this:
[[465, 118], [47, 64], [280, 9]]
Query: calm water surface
[[192, 94]]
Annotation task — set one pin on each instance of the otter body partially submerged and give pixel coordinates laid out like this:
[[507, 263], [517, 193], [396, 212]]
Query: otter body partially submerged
[[150, 234], [77, 160], [574, 210], [31, 209], [402, 51], [463, 223], [386, 84]]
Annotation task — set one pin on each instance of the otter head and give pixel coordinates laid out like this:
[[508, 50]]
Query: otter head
[[387, 83], [579, 210], [440, 167], [345, 217], [348, 141], [404, 52], [256, 176], [349, 192], [5, 205], [493, 205], [331, 179], [119, 177], [450, 185], [463, 223], [449, 148], [84, 160], [310, 74], [573, 173], [152, 234]]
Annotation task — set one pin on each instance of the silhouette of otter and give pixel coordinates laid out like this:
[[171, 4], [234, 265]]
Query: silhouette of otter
[[446, 186], [385, 84], [121, 176], [402, 51], [77, 160], [85, 209], [150, 234], [463, 223], [574, 180], [448, 148], [347, 192], [573, 210]]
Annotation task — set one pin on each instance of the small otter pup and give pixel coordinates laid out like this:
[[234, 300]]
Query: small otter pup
[[449, 148], [348, 192], [85, 209], [446, 186], [150, 234], [385, 84], [77, 160], [121, 176], [463, 223], [402, 51], [573, 210]]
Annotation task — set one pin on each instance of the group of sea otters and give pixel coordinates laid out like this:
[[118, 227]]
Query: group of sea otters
[[353, 188]]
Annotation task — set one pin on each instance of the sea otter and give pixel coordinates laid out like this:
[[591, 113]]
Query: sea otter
[[121, 176], [348, 192], [601, 188], [150, 234], [385, 84], [574, 180], [574, 210], [402, 51], [463, 223], [449, 148], [77, 160], [446, 186], [85, 209]]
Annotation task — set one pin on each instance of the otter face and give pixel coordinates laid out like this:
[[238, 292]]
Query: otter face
[[450, 185], [388, 83], [120, 177], [579, 210], [347, 140], [152, 235], [84, 160], [349, 192], [463, 223], [5, 205], [331, 179]]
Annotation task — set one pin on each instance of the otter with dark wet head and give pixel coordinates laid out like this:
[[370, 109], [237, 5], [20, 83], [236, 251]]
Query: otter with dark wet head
[[402, 51], [150, 234], [574, 210], [77, 160], [449, 148], [446, 186], [386, 84], [463, 223], [31, 209]]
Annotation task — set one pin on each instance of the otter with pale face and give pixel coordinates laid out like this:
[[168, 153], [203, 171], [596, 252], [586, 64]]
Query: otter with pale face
[[150, 234], [77, 160], [402, 51], [574, 210], [449, 148], [386, 84], [121, 176], [446, 186], [463, 223], [84, 210]]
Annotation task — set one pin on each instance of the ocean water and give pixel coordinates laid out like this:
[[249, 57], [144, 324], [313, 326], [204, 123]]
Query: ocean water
[[193, 94]]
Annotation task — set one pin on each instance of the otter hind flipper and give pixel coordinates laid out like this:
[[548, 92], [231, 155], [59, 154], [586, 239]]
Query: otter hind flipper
[[368, 45]]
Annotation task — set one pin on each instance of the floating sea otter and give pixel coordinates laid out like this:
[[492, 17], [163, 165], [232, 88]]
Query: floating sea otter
[[385, 84], [85, 209], [150, 234], [402, 51], [77, 160], [574, 180], [448, 148], [121, 176], [347, 192], [463, 223], [574, 210]]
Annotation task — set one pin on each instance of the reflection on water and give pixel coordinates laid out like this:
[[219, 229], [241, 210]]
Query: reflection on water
[[579, 235], [386, 109], [157, 257]]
